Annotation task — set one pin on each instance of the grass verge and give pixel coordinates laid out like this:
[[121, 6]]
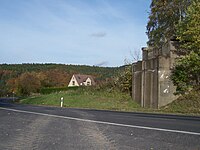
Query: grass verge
[[186, 104], [86, 98], [113, 100]]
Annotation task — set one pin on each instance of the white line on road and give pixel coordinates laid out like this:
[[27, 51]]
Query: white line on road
[[101, 122]]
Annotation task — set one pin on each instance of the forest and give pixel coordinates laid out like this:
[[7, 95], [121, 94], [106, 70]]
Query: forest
[[24, 79]]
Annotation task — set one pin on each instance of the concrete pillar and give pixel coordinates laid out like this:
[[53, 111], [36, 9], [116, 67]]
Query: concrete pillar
[[137, 82]]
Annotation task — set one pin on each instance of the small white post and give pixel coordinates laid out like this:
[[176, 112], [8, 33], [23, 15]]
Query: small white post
[[61, 101]]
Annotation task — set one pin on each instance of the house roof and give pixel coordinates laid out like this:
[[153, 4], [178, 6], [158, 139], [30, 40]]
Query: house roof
[[82, 78]]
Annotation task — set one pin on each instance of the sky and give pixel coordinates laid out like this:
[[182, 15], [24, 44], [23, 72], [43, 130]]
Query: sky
[[82, 32]]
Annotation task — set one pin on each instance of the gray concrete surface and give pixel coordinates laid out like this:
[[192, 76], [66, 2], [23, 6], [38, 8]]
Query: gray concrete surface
[[151, 83]]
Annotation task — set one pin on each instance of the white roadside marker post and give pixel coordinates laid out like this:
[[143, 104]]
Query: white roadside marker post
[[61, 101]]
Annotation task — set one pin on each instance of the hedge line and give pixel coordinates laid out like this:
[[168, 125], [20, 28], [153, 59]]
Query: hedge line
[[56, 89]]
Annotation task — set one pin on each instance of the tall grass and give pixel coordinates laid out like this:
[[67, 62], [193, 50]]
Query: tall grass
[[187, 104]]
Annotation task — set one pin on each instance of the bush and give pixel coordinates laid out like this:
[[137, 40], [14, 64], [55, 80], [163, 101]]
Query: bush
[[187, 103], [186, 73], [56, 89]]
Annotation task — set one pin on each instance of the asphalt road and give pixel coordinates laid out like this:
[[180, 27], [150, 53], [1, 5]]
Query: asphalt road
[[26, 127]]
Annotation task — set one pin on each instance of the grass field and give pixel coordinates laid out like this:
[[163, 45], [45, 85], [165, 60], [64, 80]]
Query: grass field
[[113, 100], [86, 98]]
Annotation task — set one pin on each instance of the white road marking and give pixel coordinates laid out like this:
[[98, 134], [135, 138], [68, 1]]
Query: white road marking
[[102, 122]]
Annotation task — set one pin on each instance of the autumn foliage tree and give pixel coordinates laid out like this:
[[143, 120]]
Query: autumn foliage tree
[[31, 82], [55, 78], [28, 83], [46, 76], [12, 85]]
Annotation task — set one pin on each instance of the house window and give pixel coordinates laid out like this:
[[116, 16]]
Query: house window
[[88, 83], [73, 82]]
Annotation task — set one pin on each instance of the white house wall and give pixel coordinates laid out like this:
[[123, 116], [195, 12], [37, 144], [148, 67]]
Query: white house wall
[[71, 82], [88, 81]]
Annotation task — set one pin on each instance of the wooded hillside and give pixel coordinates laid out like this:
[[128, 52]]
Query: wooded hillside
[[26, 78]]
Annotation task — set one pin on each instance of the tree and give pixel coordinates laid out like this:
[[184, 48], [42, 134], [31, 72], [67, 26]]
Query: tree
[[12, 85], [164, 16], [56, 78], [124, 80], [188, 31], [28, 83], [186, 74]]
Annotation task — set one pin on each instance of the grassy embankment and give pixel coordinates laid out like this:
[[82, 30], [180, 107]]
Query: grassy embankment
[[113, 100], [187, 104], [86, 98]]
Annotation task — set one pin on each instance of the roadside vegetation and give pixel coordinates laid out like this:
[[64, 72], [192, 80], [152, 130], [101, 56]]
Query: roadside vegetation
[[174, 19], [25, 79], [86, 98], [91, 98], [185, 104], [178, 20]]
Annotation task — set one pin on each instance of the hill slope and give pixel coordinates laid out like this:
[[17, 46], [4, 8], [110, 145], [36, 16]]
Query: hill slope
[[187, 104], [50, 75], [82, 69]]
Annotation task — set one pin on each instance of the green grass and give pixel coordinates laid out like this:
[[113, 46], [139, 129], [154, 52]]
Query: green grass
[[113, 100], [86, 98], [186, 104]]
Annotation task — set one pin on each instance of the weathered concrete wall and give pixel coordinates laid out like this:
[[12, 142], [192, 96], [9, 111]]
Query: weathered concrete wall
[[147, 83], [138, 84], [152, 86], [166, 87]]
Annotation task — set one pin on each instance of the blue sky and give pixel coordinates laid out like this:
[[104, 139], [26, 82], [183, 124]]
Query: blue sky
[[87, 32]]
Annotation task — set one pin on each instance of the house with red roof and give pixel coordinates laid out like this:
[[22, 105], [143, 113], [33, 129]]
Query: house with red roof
[[81, 80]]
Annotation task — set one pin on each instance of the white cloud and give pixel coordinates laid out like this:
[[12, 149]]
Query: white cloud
[[99, 34], [58, 31]]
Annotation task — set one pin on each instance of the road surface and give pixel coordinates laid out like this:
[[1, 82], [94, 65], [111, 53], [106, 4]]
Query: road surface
[[26, 127]]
